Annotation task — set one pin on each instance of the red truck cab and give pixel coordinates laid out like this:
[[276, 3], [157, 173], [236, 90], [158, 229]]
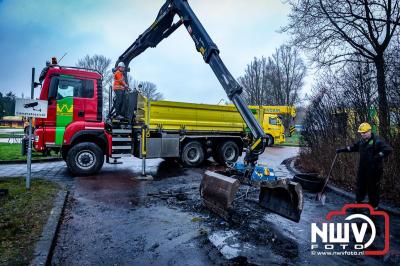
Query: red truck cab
[[74, 116]]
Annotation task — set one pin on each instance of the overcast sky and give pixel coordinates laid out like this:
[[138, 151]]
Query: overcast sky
[[31, 32]]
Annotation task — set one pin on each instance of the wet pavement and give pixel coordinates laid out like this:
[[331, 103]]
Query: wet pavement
[[115, 219], [112, 219]]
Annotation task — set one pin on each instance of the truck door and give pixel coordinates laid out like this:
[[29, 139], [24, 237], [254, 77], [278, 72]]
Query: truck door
[[271, 127], [69, 98]]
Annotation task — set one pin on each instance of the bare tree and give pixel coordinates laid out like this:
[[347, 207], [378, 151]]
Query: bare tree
[[255, 83], [334, 31], [393, 78], [101, 64], [286, 74], [358, 85], [149, 90], [276, 81]]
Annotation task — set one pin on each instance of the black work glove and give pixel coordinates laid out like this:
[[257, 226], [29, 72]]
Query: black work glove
[[342, 150]]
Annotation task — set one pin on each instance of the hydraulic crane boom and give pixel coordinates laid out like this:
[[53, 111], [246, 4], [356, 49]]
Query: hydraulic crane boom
[[218, 190], [163, 26]]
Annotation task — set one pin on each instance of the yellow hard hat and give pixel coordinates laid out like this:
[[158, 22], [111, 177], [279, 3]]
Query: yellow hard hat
[[364, 127]]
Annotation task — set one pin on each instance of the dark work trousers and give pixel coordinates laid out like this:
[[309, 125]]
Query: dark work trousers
[[368, 182], [119, 102]]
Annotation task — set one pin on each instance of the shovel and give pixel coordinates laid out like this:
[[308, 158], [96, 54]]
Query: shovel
[[321, 195]]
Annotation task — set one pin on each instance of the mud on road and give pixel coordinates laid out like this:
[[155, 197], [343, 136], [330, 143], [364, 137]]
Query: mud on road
[[114, 219]]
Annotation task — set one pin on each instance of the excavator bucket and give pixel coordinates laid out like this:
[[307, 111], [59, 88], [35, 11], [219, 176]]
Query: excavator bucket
[[218, 192], [283, 197]]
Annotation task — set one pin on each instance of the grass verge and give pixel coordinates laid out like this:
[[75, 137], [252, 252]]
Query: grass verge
[[10, 152], [294, 140], [5, 135], [22, 217]]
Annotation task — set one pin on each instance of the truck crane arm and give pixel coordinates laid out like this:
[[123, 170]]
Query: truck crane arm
[[163, 26], [277, 195]]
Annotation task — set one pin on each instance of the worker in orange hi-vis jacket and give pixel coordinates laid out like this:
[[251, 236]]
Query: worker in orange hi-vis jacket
[[120, 87]]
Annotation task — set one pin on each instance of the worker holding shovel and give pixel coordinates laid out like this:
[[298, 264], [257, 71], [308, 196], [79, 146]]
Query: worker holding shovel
[[373, 150]]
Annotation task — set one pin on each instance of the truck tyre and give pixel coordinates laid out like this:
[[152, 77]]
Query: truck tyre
[[192, 154], [270, 141], [85, 158], [227, 152]]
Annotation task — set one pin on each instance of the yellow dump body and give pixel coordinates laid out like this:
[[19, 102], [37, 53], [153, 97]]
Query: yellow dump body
[[175, 116], [193, 117]]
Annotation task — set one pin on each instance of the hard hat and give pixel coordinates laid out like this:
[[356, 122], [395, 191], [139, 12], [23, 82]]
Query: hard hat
[[364, 127], [121, 64]]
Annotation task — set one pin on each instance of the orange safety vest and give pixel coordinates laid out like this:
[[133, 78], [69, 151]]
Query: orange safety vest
[[119, 82]]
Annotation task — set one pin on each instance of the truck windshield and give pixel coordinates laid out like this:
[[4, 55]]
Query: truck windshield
[[74, 88], [273, 121]]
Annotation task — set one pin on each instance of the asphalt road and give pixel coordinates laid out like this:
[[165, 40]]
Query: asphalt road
[[115, 219]]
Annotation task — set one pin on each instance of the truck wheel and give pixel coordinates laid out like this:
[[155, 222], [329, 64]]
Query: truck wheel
[[270, 141], [192, 154], [85, 158], [228, 152]]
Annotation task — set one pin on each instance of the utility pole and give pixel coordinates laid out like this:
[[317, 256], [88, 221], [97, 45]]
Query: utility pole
[[29, 156]]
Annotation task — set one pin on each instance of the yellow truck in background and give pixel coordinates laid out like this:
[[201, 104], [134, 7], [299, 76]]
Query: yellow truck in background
[[211, 130], [272, 123]]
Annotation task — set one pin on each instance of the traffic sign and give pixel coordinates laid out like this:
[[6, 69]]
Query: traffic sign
[[31, 108]]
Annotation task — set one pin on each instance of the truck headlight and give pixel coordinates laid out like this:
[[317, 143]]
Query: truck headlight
[[36, 138]]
